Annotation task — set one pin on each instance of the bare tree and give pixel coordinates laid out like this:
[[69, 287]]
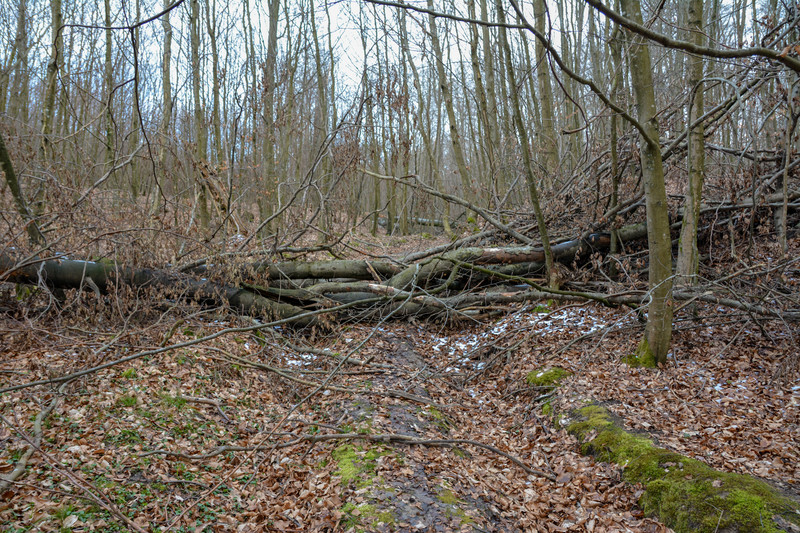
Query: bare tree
[[658, 332], [688, 255]]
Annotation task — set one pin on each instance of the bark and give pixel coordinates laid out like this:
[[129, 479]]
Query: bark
[[526, 151], [422, 123], [103, 276], [531, 258], [136, 119], [166, 96], [216, 124], [268, 203], [548, 134], [352, 269], [321, 125], [464, 280], [7, 167], [56, 50], [491, 93], [444, 86], [18, 98], [688, 256], [108, 82], [480, 94], [616, 89], [659, 315], [166, 83], [200, 135]]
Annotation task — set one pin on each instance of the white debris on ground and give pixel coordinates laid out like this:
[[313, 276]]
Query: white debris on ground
[[461, 348], [575, 320]]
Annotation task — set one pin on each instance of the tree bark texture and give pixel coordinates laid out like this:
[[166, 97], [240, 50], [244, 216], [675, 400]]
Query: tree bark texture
[[659, 314], [688, 256]]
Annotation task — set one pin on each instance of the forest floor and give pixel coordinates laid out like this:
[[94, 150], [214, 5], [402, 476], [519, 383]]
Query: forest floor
[[236, 433]]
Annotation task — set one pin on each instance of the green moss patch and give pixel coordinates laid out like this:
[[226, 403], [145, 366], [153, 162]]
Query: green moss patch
[[438, 418], [547, 377], [685, 494], [365, 515], [356, 464], [454, 507], [642, 358]]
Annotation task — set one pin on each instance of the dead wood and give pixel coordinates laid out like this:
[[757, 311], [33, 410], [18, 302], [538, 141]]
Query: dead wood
[[438, 282], [62, 273]]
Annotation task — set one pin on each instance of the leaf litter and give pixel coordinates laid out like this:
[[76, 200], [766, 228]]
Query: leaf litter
[[140, 438]]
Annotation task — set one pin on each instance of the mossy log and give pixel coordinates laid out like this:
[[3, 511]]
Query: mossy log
[[683, 493]]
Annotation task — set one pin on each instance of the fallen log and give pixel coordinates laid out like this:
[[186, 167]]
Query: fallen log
[[565, 252], [435, 285], [349, 269], [683, 493], [66, 273]]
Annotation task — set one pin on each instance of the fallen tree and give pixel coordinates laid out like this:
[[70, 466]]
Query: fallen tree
[[683, 493], [463, 280]]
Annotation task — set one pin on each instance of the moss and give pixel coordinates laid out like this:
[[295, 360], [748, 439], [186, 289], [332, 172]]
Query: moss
[[643, 357], [547, 377], [685, 494], [439, 419], [356, 515], [355, 464], [177, 402], [458, 452], [454, 510], [447, 497], [127, 400], [547, 408]]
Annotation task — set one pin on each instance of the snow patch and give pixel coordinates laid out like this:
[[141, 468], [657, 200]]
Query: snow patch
[[461, 347]]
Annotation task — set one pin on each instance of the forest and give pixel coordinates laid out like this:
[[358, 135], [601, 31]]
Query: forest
[[399, 265]]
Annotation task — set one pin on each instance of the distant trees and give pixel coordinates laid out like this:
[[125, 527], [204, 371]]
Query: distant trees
[[262, 120]]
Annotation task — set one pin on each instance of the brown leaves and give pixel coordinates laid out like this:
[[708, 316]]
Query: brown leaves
[[719, 408]]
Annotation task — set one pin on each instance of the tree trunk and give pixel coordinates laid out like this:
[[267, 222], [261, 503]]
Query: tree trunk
[[136, 119], [548, 135], [108, 82], [31, 227], [658, 331], [444, 85], [211, 28], [200, 135], [422, 115], [18, 99], [100, 276], [166, 83], [688, 256], [56, 50], [525, 149], [268, 200]]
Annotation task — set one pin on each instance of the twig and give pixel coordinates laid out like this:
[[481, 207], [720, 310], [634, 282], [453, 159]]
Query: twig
[[207, 401], [184, 344], [33, 443], [387, 438], [283, 373]]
